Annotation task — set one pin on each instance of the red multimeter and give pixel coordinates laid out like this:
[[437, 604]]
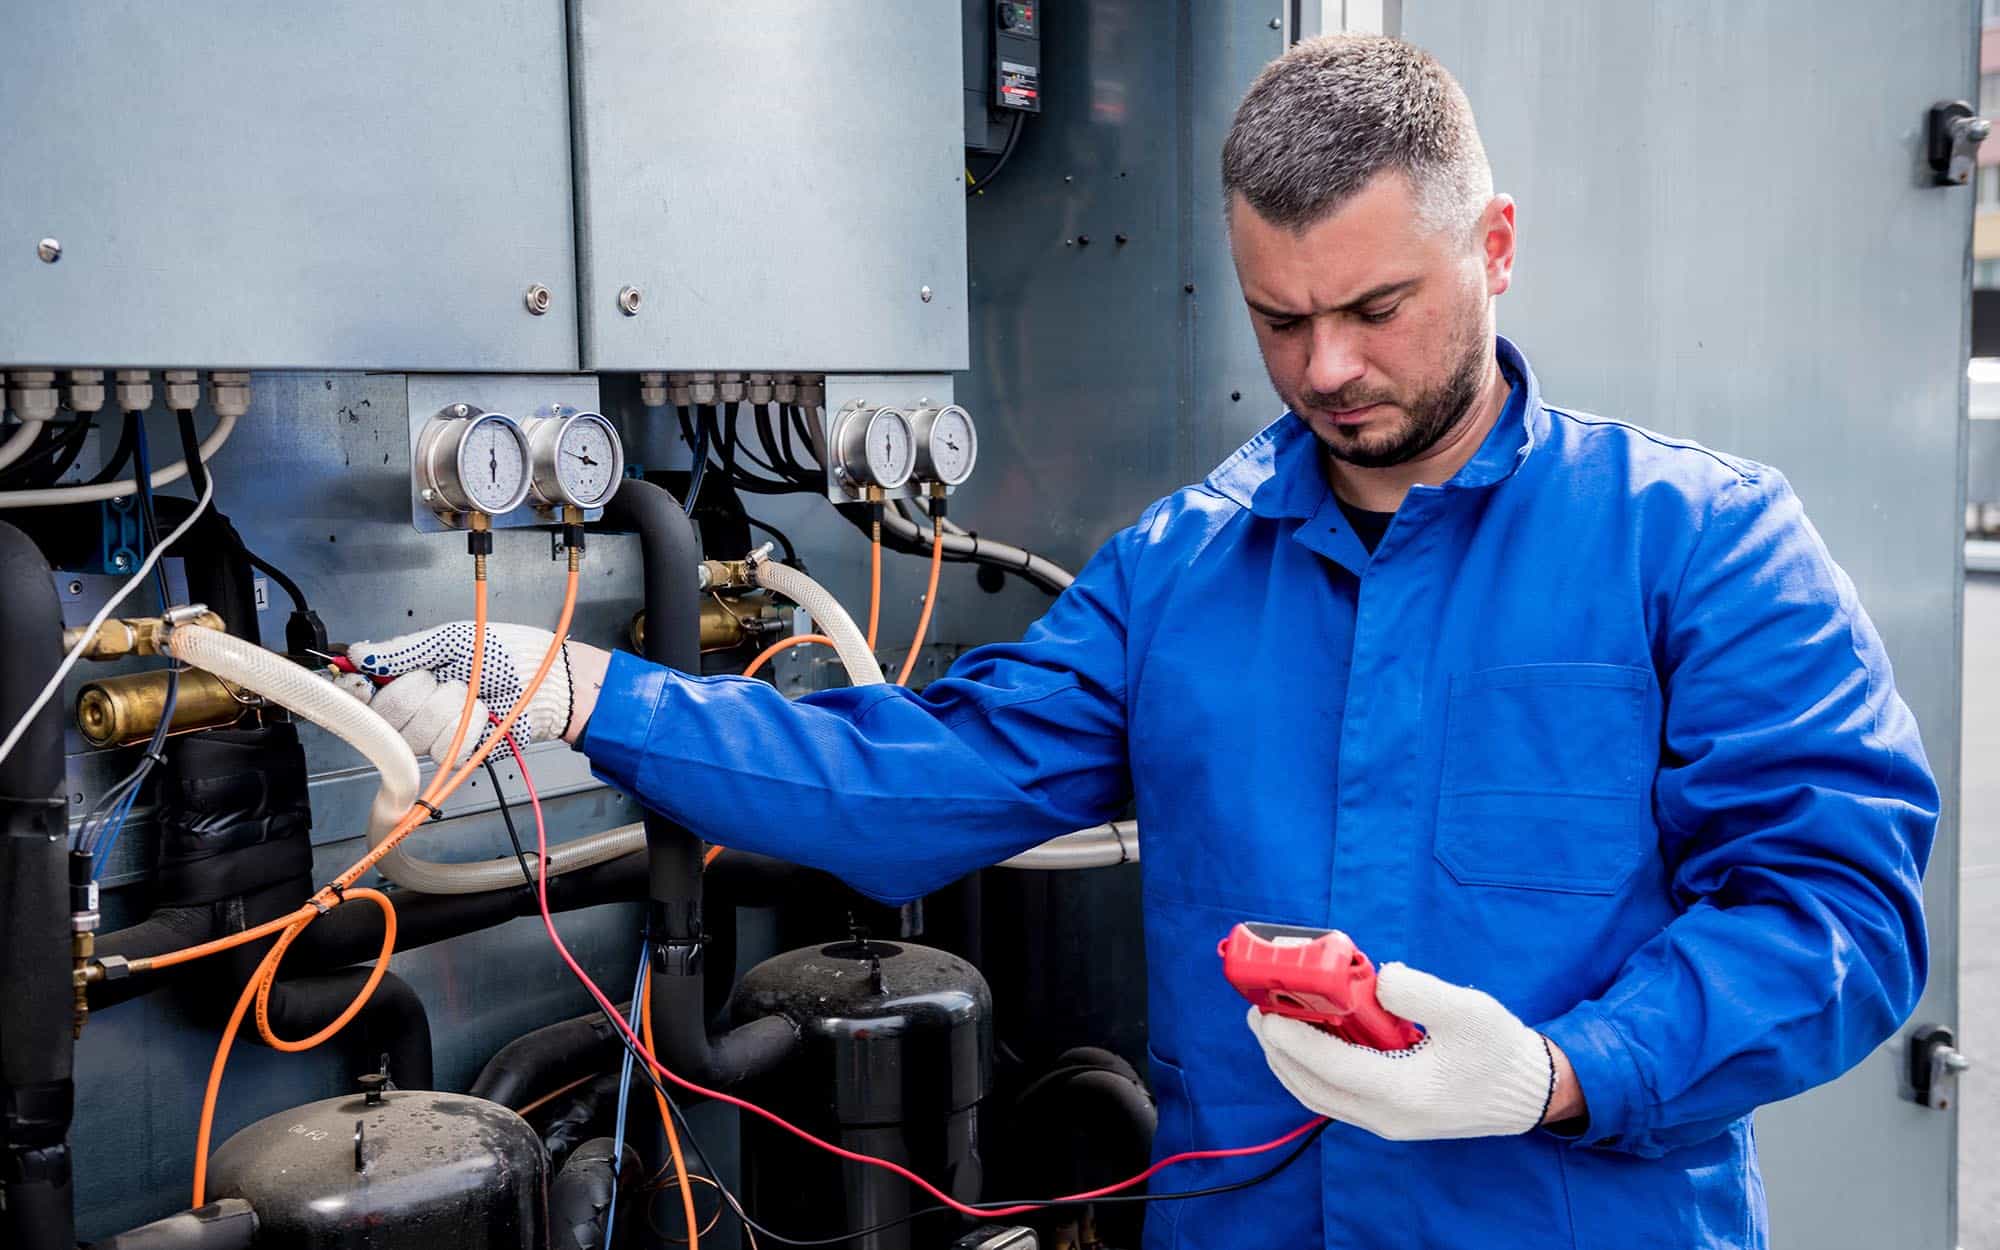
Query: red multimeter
[[1315, 975]]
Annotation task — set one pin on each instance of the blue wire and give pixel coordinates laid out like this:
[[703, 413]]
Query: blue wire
[[116, 825], [700, 470], [624, 1094]]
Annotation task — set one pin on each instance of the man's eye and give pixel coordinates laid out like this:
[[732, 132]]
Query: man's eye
[[1377, 318], [1283, 324]]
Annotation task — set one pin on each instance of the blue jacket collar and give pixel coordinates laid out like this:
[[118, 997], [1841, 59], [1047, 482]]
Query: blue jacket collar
[[1278, 473]]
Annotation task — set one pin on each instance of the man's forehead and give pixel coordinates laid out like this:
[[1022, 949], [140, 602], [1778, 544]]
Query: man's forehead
[[1369, 242]]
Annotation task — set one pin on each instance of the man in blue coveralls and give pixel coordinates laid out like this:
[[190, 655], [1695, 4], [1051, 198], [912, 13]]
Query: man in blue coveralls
[[1577, 727]]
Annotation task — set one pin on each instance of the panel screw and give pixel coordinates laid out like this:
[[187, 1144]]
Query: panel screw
[[1120, 239], [1188, 287], [75, 587], [1083, 240], [1236, 397], [539, 299], [628, 301], [121, 562], [924, 295], [50, 250], [1276, 24], [459, 410]]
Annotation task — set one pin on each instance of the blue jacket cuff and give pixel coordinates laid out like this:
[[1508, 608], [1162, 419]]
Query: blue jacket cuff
[[1606, 1071], [615, 737]]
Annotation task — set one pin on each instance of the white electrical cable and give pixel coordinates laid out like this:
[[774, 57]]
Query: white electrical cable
[[52, 496], [324, 704], [429, 877], [17, 444], [826, 612], [103, 614], [1101, 846]]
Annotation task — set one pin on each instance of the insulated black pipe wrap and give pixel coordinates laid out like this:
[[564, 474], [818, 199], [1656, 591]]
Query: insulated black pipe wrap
[[36, 1051]]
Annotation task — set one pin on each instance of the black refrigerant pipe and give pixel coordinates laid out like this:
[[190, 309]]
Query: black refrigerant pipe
[[670, 555], [36, 1051]]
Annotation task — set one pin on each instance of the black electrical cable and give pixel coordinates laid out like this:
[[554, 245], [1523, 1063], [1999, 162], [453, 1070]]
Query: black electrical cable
[[1000, 162], [53, 452], [644, 1065], [120, 455], [278, 575]]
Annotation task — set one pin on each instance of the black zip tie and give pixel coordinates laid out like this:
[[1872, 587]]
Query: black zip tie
[[432, 808]]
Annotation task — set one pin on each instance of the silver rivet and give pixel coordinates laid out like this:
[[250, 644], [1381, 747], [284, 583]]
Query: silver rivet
[[629, 300], [1276, 24], [121, 562], [49, 250], [429, 495], [76, 586], [539, 299], [459, 410], [924, 295]]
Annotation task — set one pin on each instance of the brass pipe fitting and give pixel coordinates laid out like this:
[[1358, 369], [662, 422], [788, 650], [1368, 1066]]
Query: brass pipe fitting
[[118, 710], [140, 635]]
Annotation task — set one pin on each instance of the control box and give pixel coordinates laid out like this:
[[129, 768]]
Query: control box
[[1017, 55]]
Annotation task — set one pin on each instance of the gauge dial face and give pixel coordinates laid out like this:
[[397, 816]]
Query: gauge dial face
[[951, 445], [890, 448], [493, 463], [588, 459]]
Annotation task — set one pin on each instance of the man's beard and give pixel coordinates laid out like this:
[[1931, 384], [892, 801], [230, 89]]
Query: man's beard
[[1426, 419]]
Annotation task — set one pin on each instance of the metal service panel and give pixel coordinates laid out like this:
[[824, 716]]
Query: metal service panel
[[373, 184], [770, 186]]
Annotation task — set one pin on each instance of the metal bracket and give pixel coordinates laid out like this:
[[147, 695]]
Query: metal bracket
[[1953, 132], [1935, 1063]]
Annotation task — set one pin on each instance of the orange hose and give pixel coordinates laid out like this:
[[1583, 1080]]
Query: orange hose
[[930, 601], [666, 1116], [556, 1093], [783, 644], [258, 990], [714, 853], [874, 581]]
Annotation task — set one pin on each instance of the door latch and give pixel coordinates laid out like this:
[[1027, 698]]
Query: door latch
[[1935, 1063], [1952, 135]]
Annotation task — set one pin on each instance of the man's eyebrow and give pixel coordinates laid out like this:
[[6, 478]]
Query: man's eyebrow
[[1370, 296]]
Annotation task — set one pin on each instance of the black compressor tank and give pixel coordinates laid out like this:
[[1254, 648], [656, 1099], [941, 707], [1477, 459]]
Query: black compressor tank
[[897, 1054], [390, 1169]]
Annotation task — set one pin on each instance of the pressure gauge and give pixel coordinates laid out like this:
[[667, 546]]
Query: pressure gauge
[[874, 447], [575, 457], [947, 446], [470, 460]]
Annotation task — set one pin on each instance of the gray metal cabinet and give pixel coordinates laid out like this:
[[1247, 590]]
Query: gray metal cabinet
[[772, 186], [374, 184]]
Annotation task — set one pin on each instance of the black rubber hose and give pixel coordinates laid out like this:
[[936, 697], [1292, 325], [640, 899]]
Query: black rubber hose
[[36, 1051], [670, 556], [548, 1058], [581, 1195], [349, 935], [228, 1224], [392, 1023]]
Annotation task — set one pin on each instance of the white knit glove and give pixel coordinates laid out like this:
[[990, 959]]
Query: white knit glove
[[431, 668], [1478, 1072]]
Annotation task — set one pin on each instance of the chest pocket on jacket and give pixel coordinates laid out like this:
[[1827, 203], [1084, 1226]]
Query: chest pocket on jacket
[[1547, 777]]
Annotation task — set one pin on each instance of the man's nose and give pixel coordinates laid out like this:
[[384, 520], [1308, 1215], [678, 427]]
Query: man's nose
[[1336, 356]]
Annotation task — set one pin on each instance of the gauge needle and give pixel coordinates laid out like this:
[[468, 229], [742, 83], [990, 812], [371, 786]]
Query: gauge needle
[[493, 462], [583, 457]]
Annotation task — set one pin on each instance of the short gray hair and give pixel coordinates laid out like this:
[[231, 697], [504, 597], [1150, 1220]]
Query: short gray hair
[[1323, 119]]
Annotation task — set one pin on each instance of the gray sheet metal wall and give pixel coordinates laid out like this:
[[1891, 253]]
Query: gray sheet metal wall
[[1692, 262]]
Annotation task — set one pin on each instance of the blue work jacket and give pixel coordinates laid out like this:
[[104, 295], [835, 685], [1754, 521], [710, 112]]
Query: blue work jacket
[[1599, 728]]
